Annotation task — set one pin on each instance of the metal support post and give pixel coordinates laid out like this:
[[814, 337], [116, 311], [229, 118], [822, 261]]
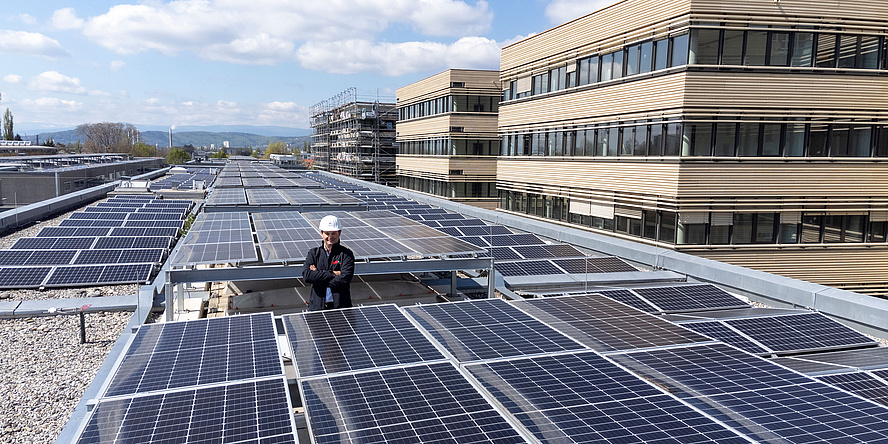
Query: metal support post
[[168, 296], [452, 283], [82, 328], [491, 282]]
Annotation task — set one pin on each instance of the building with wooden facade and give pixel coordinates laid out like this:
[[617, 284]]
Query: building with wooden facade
[[447, 136], [754, 132]]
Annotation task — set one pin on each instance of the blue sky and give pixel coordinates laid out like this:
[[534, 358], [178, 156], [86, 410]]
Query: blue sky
[[238, 62]]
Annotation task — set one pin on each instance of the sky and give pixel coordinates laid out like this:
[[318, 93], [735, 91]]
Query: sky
[[241, 62]]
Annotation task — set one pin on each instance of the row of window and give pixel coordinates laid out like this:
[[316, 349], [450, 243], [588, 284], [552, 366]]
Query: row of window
[[724, 47], [448, 104], [736, 229], [449, 190], [797, 49], [792, 138], [450, 147]]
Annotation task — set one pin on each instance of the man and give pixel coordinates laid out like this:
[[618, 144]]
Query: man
[[329, 269]]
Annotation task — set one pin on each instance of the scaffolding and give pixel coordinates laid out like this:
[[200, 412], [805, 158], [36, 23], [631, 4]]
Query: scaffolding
[[355, 137]]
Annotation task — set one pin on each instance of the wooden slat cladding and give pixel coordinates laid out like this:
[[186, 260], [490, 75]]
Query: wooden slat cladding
[[794, 10], [834, 265], [470, 166], [602, 30], [477, 82], [777, 179], [475, 126], [723, 91], [620, 177], [645, 98]]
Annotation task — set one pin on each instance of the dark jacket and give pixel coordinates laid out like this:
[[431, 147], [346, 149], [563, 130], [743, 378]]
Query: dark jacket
[[342, 259]]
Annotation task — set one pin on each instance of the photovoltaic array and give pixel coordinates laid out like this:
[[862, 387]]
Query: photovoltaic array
[[118, 241], [206, 380]]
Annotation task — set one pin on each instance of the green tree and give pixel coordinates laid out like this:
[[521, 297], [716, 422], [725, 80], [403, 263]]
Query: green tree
[[107, 137], [8, 132], [142, 150], [221, 154], [276, 147], [255, 154], [177, 156]]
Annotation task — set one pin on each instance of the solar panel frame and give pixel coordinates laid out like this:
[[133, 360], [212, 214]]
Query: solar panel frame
[[685, 298], [23, 277], [797, 333]]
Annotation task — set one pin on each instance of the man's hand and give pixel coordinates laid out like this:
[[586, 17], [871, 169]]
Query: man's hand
[[337, 272], [313, 268]]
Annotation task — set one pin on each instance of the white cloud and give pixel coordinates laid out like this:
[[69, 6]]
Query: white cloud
[[561, 11], [27, 19], [269, 31], [53, 81], [152, 101], [66, 18], [31, 43], [12, 78], [117, 65], [352, 56], [52, 102]]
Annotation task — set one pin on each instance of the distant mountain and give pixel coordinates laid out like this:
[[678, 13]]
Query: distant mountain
[[182, 138], [279, 131]]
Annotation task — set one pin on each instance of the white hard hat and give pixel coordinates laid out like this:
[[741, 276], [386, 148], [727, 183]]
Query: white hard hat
[[330, 223]]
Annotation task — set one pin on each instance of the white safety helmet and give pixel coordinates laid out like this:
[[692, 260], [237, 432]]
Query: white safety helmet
[[330, 223]]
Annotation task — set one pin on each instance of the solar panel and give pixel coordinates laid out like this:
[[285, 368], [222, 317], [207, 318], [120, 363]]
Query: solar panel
[[91, 223], [605, 325], [860, 383], [424, 403], [682, 298], [581, 397], [122, 242], [254, 411], [452, 231], [724, 333], [23, 277], [100, 274], [503, 253], [223, 253], [198, 352], [53, 243], [98, 215], [629, 298], [548, 251], [594, 265], [483, 230], [508, 240], [799, 333], [526, 268], [809, 367], [145, 231], [300, 196], [129, 256], [763, 400], [325, 342], [73, 231], [155, 223], [227, 196], [486, 329], [265, 196], [439, 245]]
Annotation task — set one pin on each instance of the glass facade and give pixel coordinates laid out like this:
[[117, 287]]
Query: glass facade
[[450, 104]]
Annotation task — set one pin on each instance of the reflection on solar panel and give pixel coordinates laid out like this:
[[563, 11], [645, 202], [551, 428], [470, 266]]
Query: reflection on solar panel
[[232, 252], [809, 367], [799, 333], [721, 332], [145, 231], [485, 230], [864, 359], [204, 351], [756, 397], [860, 383], [681, 298], [629, 298], [503, 253], [91, 223], [244, 412], [99, 275], [594, 265], [581, 397], [325, 342], [265, 196], [605, 325], [487, 329], [122, 242], [508, 240], [425, 403], [298, 196]]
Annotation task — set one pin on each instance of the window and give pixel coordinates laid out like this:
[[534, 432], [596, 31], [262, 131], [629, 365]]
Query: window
[[704, 46], [877, 232], [673, 139], [756, 44], [779, 49], [632, 60], [691, 234], [700, 139], [607, 64], [679, 50], [826, 50], [649, 222], [869, 52], [655, 145], [794, 145], [725, 139], [817, 139], [641, 143], [748, 143], [667, 227], [771, 139], [848, 51], [661, 53], [802, 49], [811, 229], [583, 75], [618, 65], [732, 51], [646, 56]]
